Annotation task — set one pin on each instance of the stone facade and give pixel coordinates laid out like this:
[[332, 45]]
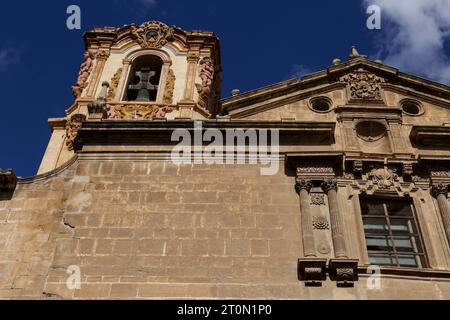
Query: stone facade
[[109, 201]]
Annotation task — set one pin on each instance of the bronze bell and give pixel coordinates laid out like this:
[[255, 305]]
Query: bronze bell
[[143, 95]]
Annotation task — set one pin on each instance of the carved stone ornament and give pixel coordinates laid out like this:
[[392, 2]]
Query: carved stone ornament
[[408, 169], [357, 166], [301, 184], [207, 77], [329, 184], [72, 127], [364, 85], [84, 73], [320, 223], [8, 180], [383, 178], [318, 199], [153, 34], [114, 84], [170, 86], [439, 189], [136, 111]]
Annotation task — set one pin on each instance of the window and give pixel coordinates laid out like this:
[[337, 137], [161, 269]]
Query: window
[[143, 80], [392, 234]]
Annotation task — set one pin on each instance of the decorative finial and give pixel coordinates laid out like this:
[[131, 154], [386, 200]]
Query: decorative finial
[[379, 61], [235, 92], [336, 61], [355, 53]]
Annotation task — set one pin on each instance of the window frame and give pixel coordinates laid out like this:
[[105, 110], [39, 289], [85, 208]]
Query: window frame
[[419, 249]]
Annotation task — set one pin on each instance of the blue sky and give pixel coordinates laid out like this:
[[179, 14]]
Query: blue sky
[[262, 43]]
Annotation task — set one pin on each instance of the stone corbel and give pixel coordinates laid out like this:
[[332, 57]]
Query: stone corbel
[[312, 271], [344, 272], [8, 180]]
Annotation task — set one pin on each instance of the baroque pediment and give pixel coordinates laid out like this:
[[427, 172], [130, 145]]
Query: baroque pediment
[[364, 82]]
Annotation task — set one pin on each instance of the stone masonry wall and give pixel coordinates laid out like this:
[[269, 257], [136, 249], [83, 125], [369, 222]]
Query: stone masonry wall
[[155, 230]]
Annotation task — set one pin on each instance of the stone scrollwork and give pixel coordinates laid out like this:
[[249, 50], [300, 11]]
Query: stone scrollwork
[[383, 178], [207, 76], [136, 111], [170, 86], [72, 127], [153, 34], [114, 84], [364, 85]]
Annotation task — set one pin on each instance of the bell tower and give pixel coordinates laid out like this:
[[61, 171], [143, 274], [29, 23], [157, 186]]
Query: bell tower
[[147, 72]]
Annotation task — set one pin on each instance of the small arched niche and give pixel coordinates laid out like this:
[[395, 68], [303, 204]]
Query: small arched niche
[[144, 79]]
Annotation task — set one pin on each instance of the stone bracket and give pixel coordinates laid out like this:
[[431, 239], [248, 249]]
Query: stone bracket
[[8, 180], [343, 271], [312, 271]]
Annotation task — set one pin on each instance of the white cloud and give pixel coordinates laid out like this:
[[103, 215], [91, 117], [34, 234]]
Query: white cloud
[[8, 57], [299, 70], [414, 36]]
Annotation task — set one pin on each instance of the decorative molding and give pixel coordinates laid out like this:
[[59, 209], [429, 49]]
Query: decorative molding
[[170, 86], [152, 34], [83, 75], [363, 85], [72, 127], [317, 199], [8, 180], [136, 111], [320, 223], [114, 84]]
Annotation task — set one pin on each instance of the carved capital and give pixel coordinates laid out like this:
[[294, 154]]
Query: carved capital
[[438, 189], [8, 180], [193, 56], [329, 184], [302, 184], [103, 54], [312, 271]]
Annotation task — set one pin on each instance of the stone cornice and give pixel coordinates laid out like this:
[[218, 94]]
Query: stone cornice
[[428, 136]]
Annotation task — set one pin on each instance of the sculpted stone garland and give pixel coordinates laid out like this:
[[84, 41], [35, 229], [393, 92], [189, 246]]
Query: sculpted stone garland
[[84, 73], [207, 77], [114, 84], [72, 127], [170, 86], [136, 111]]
